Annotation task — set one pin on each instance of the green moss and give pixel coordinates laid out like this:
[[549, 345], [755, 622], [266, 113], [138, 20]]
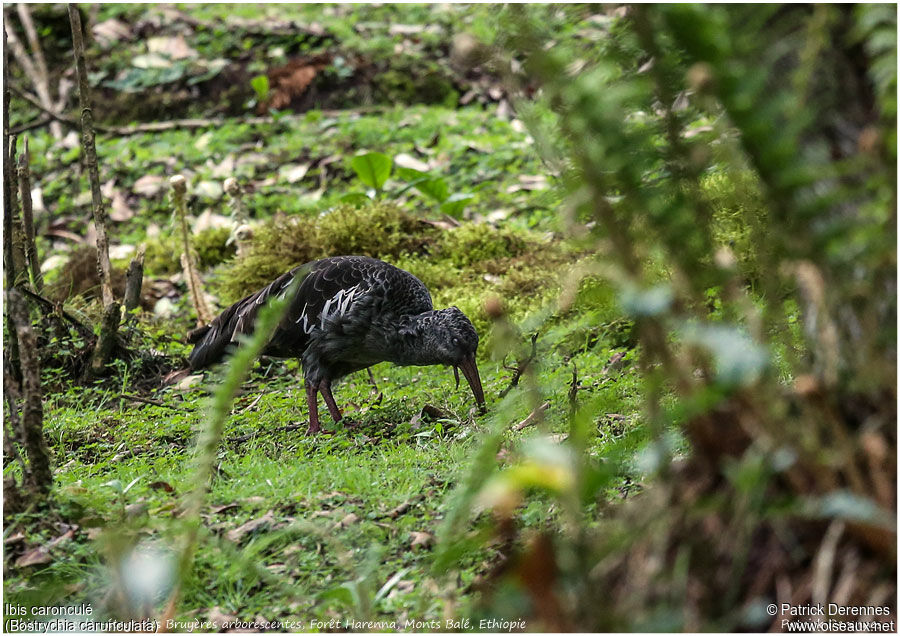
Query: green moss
[[378, 230], [210, 246], [475, 242], [163, 255], [739, 212], [277, 245]]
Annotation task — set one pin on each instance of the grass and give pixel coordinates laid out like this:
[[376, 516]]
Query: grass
[[330, 497]]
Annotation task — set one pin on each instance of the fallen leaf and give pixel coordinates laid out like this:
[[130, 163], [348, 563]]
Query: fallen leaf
[[293, 172], [221, 509], [209, 219], [532, 417], [176, 48], [35, 556], [161, 485], [135, 510], [255, 500], [209, 190], [254, 524], [110, 31], [41, 554], [149, 185], [408, 161], [422, 539], [191, 380], [346, 521], [15, 538]]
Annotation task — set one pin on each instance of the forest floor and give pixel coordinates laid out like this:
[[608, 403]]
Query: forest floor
[[340, 525]]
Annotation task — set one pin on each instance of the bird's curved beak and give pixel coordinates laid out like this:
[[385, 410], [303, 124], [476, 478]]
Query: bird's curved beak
[[470, 371]]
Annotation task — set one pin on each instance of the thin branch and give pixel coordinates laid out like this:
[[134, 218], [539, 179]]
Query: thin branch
[[40, 122], [52, 114], [520, 368], [51, 307], [137, 398], [533, 417], [31, 255], [35, 67], [90, 151]]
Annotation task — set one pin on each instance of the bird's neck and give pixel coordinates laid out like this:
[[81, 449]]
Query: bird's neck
[[408, 341]]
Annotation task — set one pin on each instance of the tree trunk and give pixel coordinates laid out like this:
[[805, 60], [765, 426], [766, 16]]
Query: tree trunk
[[8, 260], [134, 278], [38, 478], [31, 255], [106, 343]]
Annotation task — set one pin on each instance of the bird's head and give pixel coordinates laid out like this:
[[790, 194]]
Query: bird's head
[[448, 337]]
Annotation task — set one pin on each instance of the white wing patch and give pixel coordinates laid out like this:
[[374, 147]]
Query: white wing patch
[[335, 307]]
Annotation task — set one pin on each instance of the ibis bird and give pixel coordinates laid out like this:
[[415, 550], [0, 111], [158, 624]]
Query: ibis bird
[[348, 313]]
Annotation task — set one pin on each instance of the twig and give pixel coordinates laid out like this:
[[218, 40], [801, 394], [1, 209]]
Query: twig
[[533, 417], [31, 255], [134, 278], [177, 124], [195, 286], [8, 262], [137, 398], [403, 508], [281, 429], [35, 123], [252, 404], [31, 430], [521, 368], [34, 65], [90, 151], [573, 389], [55, 308], [106, 343]]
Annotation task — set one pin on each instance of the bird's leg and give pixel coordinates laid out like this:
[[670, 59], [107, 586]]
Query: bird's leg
[[325, 388], [312, 400]]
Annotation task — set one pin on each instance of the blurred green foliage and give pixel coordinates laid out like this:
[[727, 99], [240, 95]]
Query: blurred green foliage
[[746, 152]]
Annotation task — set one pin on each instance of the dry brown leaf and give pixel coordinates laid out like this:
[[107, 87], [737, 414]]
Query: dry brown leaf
[[35, 556], [346, 521], [15, 538], [41, 554], [119, 209], [161, 485], [220, 509], [532, 417], [408, 161], [149, 185], [290, 81], [422, 539], [176, 48], [254, 524], [110, 31]]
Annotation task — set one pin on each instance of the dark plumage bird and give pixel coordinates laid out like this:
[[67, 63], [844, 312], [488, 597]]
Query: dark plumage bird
[[349, 313]]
